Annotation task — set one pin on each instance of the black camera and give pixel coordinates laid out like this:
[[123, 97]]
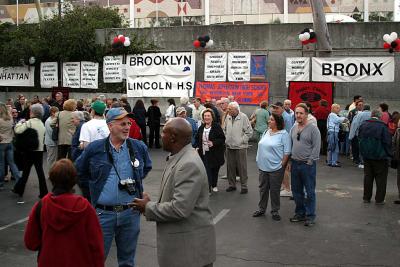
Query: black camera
[[128, 185]]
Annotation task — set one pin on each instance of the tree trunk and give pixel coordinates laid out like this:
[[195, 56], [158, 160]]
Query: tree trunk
[[321, 28], [39, 10]]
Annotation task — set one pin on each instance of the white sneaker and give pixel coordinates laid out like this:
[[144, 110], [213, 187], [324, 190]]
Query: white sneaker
[[286, 193], [20, 200], [361, 166], [215, 189]]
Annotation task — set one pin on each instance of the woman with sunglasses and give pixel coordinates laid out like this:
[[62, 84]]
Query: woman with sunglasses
[[272, 156]]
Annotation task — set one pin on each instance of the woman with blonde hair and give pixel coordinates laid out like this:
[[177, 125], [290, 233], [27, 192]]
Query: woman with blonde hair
[[6, 147], [66, 128]]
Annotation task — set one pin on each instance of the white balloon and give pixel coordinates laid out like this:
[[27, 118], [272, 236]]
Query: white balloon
[[301, 37], [127, 39], [387, 38], [311, 30], [209, 43], [393, 36], [127, 43], [306, 36]]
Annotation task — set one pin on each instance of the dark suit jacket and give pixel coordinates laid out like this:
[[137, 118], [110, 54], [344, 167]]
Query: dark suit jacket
[[216, 152]]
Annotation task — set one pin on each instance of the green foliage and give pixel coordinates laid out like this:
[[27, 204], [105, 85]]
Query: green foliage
[[71, 38]]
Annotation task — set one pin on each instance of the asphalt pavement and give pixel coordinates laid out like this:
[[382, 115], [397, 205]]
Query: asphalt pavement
[[347, 231]]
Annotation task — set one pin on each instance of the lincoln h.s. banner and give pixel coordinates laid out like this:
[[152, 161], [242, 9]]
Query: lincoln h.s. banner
[[160, 75], [311, 92]]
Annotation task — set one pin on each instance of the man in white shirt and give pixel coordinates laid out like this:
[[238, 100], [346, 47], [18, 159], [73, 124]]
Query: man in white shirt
[[96, 128]]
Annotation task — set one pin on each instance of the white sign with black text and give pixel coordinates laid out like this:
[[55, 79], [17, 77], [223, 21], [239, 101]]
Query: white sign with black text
[[89, 75], [17, 76], [239, 66], [160, 74], [353, 69], [48, 74], [72, 74], [298, 69], [112, 69], [215, 67]]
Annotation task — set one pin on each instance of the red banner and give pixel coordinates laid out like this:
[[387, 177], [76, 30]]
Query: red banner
[[244, 93], [311, 92]]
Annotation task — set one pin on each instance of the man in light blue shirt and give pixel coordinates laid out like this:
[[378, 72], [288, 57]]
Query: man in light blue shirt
[[288, 115], [333, 126]]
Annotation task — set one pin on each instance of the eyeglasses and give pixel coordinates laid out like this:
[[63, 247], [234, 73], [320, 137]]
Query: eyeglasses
[[298, 136], [123, 124]]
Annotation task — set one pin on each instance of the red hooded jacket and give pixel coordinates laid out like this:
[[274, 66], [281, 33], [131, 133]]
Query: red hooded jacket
[[71, 233]]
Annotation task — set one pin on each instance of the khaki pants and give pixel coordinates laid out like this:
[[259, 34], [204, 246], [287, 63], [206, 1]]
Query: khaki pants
[[236, 159], [51, 155]]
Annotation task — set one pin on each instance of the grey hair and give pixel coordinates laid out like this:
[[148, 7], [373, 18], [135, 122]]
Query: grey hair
[[234, 104], [225, 100], [37, 110], [184, 100], [376, 113], [78, 115]]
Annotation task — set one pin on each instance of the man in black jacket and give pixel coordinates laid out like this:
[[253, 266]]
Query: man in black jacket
[[375, 148]]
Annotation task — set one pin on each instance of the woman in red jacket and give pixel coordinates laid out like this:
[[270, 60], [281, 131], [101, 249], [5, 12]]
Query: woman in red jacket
[[64, 226]]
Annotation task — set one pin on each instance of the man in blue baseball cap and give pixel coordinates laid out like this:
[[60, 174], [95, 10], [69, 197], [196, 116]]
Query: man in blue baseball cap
[[113, 169]]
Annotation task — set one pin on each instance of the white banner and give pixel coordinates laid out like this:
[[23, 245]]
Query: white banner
[[89, 75], [215, 67], [353, 69], [17, 76], [298, 69], [239, 66], [112, 69], [48, 74], [72, 74], [160, 75], [396, 10]]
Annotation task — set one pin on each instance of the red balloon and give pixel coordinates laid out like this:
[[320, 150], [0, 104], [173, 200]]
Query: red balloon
[[122, 39], [386, 45], [313, 40], [196, 43], [305, 42], [115, 40]]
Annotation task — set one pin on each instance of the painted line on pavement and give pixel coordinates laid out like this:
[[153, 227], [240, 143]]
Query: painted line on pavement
[[14, 223], [220, 215]]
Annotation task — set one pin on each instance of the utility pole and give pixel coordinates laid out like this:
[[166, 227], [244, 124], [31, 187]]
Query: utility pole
[[321, 28]]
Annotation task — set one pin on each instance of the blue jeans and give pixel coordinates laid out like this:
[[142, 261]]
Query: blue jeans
[[125, 226], [303, 177], [345, 146], [7, 155], [333, 148]]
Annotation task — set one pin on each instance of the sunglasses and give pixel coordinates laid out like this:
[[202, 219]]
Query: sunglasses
[[298, 136]]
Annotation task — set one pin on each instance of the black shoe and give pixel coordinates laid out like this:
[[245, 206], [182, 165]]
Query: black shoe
[[309, 222], [276, 216], [336, 165], [244, 191], [396, 202], [158, 146], [230, 189], [367, 201], [298, 218], [380, 203], [258, 213]]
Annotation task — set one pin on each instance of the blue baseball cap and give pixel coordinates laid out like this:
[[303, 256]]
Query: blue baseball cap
[[116, 114]]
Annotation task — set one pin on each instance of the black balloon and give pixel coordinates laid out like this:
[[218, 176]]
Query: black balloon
[[393, 44], [201, 39], [306, 30], [206, 38], [312, 35], [203, 44]]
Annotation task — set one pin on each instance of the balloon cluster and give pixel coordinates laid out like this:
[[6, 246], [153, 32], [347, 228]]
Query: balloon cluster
[[121, 41], [391, 42], [203, 41], [307, 36]]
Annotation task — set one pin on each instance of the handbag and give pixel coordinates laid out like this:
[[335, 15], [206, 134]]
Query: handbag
[[56, 130], [28, 140]]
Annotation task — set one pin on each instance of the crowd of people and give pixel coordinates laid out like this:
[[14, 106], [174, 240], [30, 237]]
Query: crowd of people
[[102, 145]]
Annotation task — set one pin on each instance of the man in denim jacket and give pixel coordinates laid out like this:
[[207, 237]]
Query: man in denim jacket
[[113, 169]]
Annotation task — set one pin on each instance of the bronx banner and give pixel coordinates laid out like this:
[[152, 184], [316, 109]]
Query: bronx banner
[[353, 69], [72, 74], [239, 66], [160, 75], [298, 69], [48, 74], [215, 67], [112, 69], [311, 92], [17, 76], [89, 75], [245, 93]]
